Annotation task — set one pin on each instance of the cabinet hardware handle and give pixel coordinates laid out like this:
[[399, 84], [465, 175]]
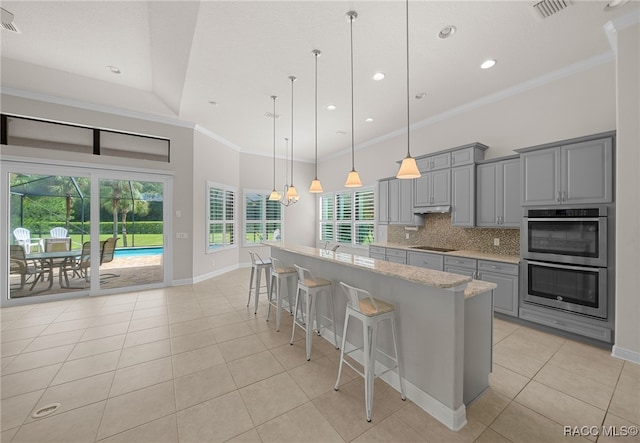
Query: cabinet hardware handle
[[558, 198], [563, 196], [497, 220]]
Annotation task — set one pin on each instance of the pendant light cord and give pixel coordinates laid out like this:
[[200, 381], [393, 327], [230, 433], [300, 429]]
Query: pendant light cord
[[274, 141], [292, 80], [353, 167], [316, 113], [408, 119]]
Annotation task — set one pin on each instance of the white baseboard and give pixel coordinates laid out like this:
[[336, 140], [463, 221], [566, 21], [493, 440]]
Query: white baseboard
[[453, 419], [203, 277], [626, 354]]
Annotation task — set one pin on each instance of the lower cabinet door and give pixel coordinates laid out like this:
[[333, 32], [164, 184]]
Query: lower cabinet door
[[505, 296]]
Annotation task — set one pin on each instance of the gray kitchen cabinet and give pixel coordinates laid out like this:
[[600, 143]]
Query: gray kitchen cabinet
[[426, 260], [460, 265], [396, 256], [467, 156], [463, 185], [383, 202], [377, 252], [572, 173], [395, 202], [505, 276], [434, 162], [433, 189], [498, 194]]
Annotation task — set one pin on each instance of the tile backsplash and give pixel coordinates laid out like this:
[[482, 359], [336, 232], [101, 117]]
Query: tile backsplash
[[438, 232]]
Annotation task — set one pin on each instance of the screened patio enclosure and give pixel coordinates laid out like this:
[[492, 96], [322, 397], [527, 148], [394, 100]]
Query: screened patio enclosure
[[129, 213]]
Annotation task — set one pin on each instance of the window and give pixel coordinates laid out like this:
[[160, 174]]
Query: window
[[348, 217], [221, 223], [262, 218]]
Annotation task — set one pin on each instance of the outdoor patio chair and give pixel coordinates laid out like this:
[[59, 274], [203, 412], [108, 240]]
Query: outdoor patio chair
[[19, 265], [23, 238], [59, 232], [80, 266], [107, 254], [56, 245]]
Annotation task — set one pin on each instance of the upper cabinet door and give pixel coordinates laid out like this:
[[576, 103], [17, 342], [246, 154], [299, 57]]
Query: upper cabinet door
[[463, 184], [587, 172], [486, 191], [394, 201], [405, 215], [540, 171], [510, 192], [421, 191], [441, 187], [383, 202], [440, 161]]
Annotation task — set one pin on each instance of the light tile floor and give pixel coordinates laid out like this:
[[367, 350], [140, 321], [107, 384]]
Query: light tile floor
[[193, 364]]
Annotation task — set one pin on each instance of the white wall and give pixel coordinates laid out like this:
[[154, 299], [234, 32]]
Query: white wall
[[574, 106], [627, 339], [181, 165]]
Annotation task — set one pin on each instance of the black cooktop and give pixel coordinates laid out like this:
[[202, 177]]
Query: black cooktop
[[432, 248]]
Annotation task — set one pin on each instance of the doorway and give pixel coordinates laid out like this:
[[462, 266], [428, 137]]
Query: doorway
[[53, 249]]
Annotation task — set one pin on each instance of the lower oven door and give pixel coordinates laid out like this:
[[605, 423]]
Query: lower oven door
[[578, 289]]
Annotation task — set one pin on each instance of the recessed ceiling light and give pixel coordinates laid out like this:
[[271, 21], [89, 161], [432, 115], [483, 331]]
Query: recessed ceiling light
[[331, 107], [447, 31], [114, 69], [213, 103], [613, 4], [488, 64], [368, 119], [341, 133], [378, 76], [421, 95]]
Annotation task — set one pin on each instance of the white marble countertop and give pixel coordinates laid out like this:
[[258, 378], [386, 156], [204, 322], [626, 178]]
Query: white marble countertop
[[513, 259], [415, 274]]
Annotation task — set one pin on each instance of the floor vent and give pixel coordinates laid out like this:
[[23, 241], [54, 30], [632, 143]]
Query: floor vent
[[546, 8], [46, 410]]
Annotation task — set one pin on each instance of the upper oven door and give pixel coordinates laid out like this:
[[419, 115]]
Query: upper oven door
[[579, 240]]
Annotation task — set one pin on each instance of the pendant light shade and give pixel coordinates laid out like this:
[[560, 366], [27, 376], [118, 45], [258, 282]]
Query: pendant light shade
[[408, 168], [316, 186], [275, 195], [353, 179]]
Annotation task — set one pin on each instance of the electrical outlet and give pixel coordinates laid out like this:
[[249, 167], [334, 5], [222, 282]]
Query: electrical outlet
[[406, 235], [182, 235], [496, 242]]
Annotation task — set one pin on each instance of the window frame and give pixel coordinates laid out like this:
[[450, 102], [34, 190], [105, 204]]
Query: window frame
[[225, 189], [264, 220], [352, 222]]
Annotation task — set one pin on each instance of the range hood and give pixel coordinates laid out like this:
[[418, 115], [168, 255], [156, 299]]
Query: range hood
[[432, 209]]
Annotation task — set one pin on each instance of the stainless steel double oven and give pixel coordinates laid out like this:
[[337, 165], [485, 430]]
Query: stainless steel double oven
[[565, 252]]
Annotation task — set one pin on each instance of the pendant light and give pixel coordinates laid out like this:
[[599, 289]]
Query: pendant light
[[353, 179], [275, 195], [408, 168], [292, 193], [316, 186]]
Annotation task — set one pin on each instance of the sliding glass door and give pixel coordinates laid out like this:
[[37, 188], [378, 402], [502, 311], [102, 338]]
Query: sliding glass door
[[131, 232], [51, 246]]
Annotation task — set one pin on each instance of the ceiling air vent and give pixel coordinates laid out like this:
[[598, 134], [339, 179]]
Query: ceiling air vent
[[547, 8], [7, 21]]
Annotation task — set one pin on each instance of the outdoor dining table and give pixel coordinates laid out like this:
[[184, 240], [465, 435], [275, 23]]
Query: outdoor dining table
[[51, 256]]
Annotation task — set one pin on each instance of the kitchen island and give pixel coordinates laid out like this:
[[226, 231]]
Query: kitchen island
[[444, 325]]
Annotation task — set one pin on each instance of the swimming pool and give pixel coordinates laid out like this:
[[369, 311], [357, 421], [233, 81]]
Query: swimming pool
[[137, 252]]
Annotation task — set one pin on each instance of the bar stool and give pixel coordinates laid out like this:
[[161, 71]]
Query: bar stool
[[370, 311], [280, 274], [308, 289], [257, 264]]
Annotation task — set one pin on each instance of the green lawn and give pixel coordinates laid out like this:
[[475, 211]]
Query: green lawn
[[138, 240]]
